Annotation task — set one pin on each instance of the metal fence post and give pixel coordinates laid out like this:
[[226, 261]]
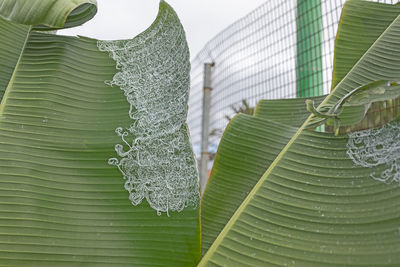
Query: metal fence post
[[309, 48], [205, 155]]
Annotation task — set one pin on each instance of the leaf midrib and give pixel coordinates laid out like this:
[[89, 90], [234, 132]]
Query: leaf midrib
[[249, 197]]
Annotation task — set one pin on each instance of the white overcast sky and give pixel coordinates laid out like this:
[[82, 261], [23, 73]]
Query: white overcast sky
[[202, 20]]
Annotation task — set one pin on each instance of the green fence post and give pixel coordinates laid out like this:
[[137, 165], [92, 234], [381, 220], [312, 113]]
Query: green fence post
[[309, 80]]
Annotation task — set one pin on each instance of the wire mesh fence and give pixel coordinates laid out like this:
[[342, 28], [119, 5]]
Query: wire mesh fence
[[283, 49]]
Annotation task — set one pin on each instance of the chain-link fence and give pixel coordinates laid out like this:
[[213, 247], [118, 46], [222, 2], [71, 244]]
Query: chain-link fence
[[274, 52]]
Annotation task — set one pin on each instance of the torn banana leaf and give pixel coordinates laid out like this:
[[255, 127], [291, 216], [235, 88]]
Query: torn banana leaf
[[61, 203], [315, 205]]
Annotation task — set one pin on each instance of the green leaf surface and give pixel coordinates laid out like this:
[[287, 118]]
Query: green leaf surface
[[287, 111], [48, 14], [360, 26], [314, 206], [247, 148], [380, 62], [352, 107], [249, 145], [374, 94], [12, 40], [61, 203]]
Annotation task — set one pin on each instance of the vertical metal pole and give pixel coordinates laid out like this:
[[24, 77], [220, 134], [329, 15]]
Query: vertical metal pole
[[205, 131], [309, 48]]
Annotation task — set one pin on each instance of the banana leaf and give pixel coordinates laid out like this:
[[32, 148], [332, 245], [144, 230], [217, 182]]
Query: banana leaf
[[61, 202], [361, 24], [318, 204], [287, 111], [48, 14], [248, 146]]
